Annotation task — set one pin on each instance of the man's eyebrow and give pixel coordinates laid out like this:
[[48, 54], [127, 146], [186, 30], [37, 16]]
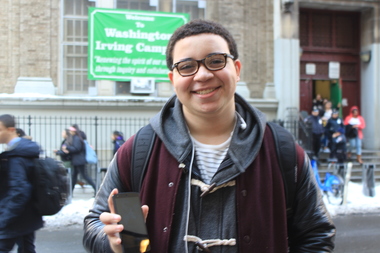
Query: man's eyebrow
[[185, 59], [189, 58]]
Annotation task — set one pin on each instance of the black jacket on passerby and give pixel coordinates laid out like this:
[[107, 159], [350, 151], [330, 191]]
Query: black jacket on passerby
[[64, 157], [316, 124], [18, 216], [336, 144], [77, 151], [334, 125]]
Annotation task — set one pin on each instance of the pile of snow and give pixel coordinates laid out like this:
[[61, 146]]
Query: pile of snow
[[357, 202], [71, 214]]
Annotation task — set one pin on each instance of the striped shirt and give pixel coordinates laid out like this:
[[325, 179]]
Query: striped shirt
[[209, 157]]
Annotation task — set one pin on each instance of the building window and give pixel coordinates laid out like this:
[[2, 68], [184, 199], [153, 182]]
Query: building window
[[74, 47], [135, 5], [190, 7]]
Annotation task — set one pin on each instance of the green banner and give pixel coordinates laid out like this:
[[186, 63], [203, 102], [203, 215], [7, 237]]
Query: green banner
[[127, 44]]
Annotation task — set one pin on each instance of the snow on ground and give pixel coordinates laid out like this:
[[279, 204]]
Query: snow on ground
[[71, 214], [357, 202]]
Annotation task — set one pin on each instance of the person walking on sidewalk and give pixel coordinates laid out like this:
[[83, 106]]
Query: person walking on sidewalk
[[77, 151], [355, 124], [19, 219]]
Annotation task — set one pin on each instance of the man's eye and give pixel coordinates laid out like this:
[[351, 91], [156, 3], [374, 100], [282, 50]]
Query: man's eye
[[216, 61], [186, 65]]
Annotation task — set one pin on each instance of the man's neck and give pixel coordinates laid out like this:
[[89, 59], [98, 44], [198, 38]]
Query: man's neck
[[211, 129]]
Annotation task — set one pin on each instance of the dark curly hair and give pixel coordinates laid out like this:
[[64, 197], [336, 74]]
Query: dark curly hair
[[195, 27]]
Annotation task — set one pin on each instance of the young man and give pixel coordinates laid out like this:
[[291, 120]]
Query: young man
[[18, 218], [212, 182]]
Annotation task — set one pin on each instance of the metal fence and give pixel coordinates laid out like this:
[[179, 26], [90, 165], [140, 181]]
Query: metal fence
[[47, 131]]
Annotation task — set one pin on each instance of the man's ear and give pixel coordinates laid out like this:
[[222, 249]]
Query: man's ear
[[170, 75], [238, 68]]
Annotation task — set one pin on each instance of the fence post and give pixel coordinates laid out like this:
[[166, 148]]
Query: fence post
[[96, 133], [30, 125]]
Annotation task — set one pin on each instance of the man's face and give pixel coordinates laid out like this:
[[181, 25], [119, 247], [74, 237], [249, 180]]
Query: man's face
[[6, 133], [206, 92]]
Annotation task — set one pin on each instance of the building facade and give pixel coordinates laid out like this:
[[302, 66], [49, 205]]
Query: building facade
[[291, 50]]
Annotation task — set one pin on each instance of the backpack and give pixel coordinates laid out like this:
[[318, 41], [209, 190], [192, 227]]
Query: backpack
[[50, 185], [91, 156], [285, 151]]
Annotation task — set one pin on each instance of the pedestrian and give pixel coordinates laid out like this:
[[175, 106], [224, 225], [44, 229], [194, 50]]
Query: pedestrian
[[117, 140], [19, 219], [80, 132], [77, 151], [334, 131], [66, 141], [318, 103], [355, 124], [21, 133], [209, 136], [317, 129]]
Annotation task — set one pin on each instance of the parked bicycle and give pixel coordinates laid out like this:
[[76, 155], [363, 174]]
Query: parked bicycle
[[332, 185]]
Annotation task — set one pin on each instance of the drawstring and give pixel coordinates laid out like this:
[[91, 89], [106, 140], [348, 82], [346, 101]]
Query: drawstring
[[243, 125], [189, 198], [205, 244]]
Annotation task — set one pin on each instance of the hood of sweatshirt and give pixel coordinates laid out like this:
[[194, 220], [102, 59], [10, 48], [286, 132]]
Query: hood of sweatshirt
[[171, 128], [354, 108]]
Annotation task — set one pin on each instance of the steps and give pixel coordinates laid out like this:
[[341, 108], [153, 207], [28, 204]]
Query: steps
[[369, 157]]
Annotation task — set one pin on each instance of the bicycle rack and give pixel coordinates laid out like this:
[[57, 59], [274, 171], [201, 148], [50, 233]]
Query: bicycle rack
[[368, 179], [338, 169]]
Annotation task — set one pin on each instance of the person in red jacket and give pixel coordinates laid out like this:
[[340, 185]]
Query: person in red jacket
[[355, 124], [212, 181]]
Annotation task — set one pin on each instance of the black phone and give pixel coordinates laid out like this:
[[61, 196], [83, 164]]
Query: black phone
[[134, 236]]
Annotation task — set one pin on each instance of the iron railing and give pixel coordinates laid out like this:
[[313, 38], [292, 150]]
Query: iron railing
[[47, 131]]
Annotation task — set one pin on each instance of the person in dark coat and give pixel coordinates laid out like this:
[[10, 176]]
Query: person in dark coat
[[80, 132], [19, 219], [117, 140], [67, 139], [77, 150], [335, 134], [317, 129]]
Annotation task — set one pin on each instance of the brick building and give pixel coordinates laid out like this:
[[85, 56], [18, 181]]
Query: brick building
[[291, 50]]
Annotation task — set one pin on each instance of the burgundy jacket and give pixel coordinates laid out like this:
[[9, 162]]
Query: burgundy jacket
[[262, 225]]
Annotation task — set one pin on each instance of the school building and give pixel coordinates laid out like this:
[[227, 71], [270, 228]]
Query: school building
[[291, 50]]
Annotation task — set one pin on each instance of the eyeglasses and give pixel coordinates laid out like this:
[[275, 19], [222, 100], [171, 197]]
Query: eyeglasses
[[213, 62]]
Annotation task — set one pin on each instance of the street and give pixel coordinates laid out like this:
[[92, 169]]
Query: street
[[355, 233]]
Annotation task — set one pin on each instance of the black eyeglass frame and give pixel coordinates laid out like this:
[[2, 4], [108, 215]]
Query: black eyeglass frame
[[175, 65]]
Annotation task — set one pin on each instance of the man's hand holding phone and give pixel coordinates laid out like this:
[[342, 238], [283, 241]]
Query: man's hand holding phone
[[111, 220]]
